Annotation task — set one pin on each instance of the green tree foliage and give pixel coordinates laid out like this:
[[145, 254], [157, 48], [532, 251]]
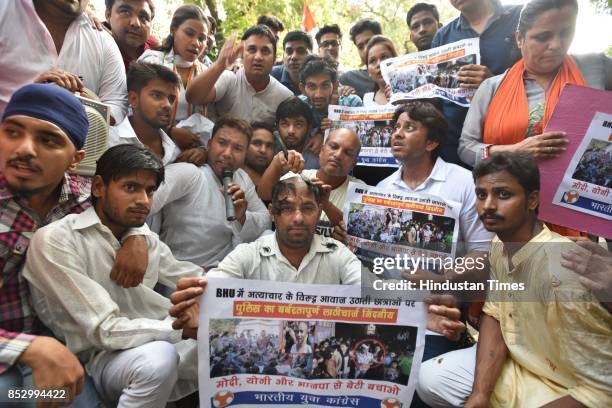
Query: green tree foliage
[[238, 15]]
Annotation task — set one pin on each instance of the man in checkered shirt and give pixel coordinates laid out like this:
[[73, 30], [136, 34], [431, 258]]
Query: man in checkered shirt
[[42, 134]]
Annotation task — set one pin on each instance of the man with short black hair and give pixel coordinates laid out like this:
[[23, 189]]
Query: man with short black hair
[[359, 79], [546, 344], [279, 256], [152, 90], [420, 130], [273, 23], [423, 22], [318, 83], [130, 24], [297, 45], [294, 123], [124, 336], [251, 93], [260, 151], [329, 40], [194, 220]]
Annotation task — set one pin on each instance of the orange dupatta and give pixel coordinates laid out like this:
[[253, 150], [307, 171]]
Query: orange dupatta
[[507, 119]]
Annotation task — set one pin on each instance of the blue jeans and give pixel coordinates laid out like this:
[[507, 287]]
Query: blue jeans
[[20, 375]]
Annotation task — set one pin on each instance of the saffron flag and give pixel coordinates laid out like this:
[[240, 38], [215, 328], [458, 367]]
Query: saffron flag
[[308, 22]]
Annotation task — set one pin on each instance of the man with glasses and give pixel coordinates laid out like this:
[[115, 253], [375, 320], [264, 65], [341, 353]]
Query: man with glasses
[[297, 45], [329, 38]]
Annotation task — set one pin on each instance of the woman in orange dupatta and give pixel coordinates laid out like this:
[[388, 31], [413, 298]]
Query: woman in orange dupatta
[[510, 111]]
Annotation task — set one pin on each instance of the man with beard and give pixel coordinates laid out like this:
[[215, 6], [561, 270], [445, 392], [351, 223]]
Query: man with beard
[[130, 24], [251, 93], [545, 345], [295, 210], [297, 45], [260, 151], [152, 90], [124, 336], [194, 220], [294, 125], [61, 47], [42, 134], [318, 83]]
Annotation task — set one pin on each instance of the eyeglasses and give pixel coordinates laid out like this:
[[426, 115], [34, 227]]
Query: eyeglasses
[[330, 44]]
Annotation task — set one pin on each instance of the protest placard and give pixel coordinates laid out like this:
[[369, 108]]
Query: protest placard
[[432, 73], [575, 186], [263, 343], [384, 223], [586, 184], [373, 126]]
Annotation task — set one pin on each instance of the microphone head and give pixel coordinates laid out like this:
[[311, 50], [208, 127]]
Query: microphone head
[[227, 173]]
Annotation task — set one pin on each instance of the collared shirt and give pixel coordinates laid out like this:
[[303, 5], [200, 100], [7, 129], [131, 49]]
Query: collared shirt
[[336, 197], [557, 334], [28, 50], [124, 133], [471, 148], [359, 79], [451, 183], [348, 100], [327, 262], [17, 225], [236, 96], [76, 298], [496, 45], [282, 75], [194, 223]]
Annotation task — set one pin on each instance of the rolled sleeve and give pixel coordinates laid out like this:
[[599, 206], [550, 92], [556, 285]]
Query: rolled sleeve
[[57, 277], [12, 345]]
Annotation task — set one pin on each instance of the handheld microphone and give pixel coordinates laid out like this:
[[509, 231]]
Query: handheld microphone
[[230, 213]]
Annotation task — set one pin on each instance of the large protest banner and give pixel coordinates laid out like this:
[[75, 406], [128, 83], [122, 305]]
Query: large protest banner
[[384, 223], [374, 127], [266, 344], [575, 189], [432, 73]]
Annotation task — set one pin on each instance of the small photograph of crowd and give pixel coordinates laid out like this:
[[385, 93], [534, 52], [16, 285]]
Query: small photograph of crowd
[[443, 75], [595, 165], [403, 227], [311, 350], [375, 133]]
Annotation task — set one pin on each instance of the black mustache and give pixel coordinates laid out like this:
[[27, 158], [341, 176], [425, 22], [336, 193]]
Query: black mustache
[[490, 214], [23, 162]]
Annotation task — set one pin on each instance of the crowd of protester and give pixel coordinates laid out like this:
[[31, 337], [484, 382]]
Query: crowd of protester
[[101, 272]]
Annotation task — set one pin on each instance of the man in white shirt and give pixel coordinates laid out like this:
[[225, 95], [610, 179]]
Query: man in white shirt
[[294, 253], [251, 93], [53, 41], [419, 132], [124, 336], [194, 223], [152, 90]]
